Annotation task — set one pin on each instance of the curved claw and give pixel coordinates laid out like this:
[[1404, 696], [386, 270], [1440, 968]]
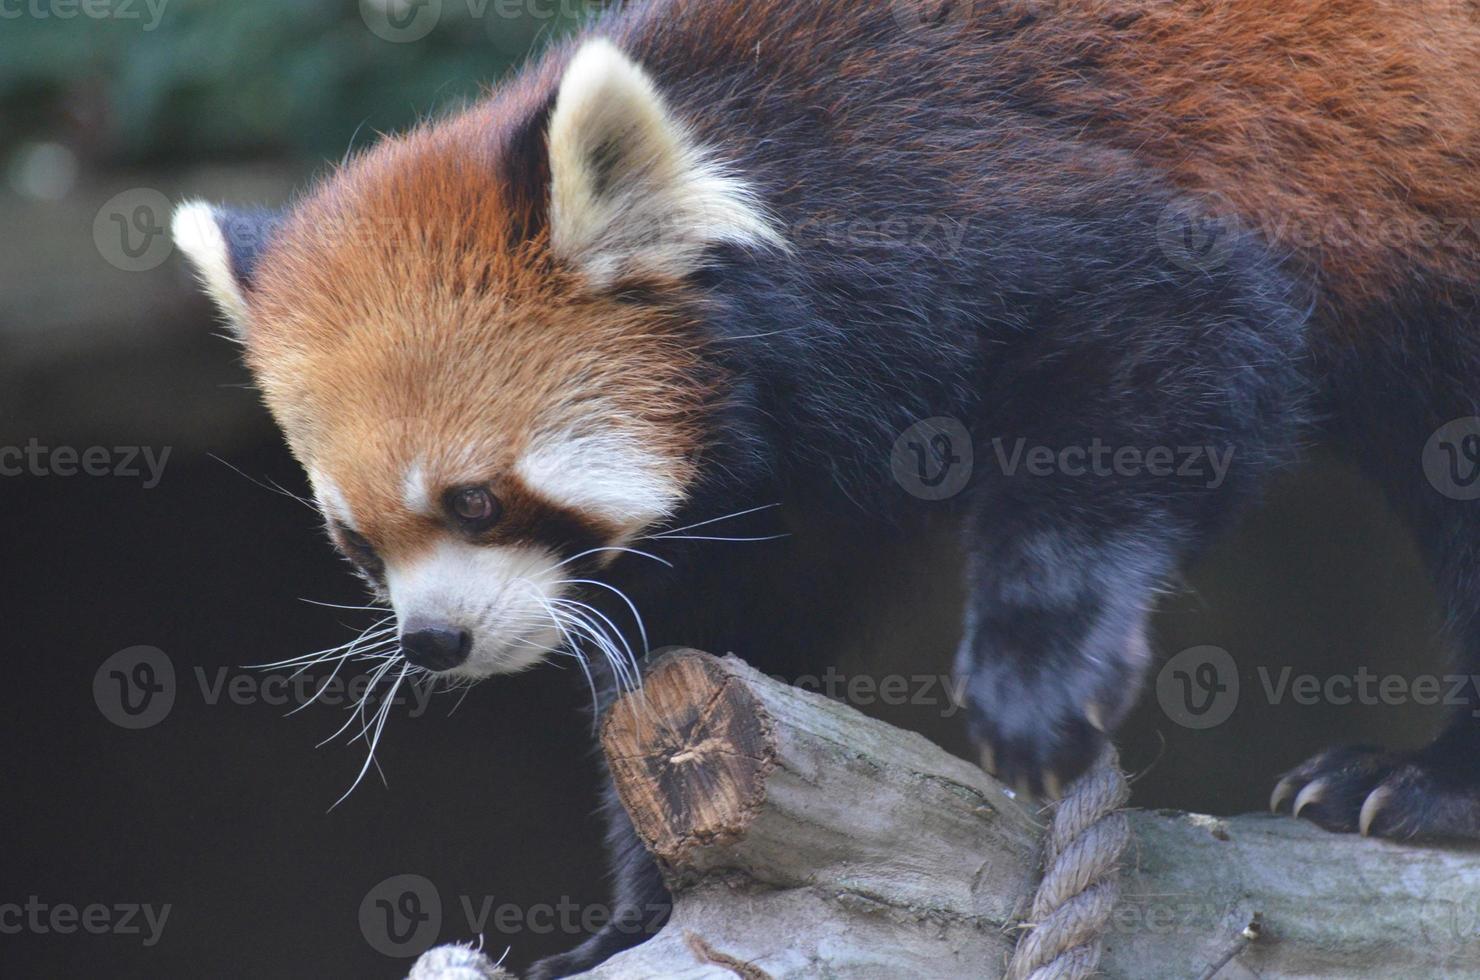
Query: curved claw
[[1283, 791], [1095, 717], [1371, 807], [1312, 793]]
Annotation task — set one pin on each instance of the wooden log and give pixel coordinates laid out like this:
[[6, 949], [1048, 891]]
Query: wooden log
[[804, 811], [803, 839]]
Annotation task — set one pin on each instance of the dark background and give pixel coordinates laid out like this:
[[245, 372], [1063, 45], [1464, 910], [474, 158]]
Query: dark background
[[221, 809]]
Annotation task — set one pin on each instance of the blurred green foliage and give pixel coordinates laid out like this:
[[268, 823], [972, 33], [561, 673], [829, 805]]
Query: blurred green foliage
[[156, 81]]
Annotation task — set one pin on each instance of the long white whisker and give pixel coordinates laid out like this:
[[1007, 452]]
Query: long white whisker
[[366, 699], [467, 689], [349, 654], [726, 517], [629, 682], [374, 680], [269, 485], [603, 645], [705, 537], [313, 659], [641, 629], [615, 631], [369, 653], [340, 662], [374, 741], [322, 688], [634, 551], [310, 658], [374, 629], [335, 605], [634, 677], [575, 652]]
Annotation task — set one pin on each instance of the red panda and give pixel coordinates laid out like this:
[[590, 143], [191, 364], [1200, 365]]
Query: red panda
[[707, 256]]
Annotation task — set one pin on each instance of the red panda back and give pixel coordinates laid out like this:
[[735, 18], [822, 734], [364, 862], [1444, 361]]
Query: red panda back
[[1347, 132]]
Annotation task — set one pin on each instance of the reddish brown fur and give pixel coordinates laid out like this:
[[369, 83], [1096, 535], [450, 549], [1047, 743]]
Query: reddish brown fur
[[399, 320], [401, 288], [1345, 130]]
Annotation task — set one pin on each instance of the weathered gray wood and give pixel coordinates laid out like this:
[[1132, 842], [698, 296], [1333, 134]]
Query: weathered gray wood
[[1329, 905], [803, 839]]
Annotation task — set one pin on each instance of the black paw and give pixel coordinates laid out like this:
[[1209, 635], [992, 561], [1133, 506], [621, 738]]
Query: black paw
[[1036, 734], [1399, 795]]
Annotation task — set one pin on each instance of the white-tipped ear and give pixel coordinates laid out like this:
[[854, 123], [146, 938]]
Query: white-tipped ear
[[631, 194], [223, 246]]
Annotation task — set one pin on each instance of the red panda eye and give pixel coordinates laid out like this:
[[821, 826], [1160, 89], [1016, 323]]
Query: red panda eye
[[474, 505]]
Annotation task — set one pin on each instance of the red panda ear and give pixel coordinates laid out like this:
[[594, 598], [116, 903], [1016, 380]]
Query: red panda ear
[[224, 247], [632, 195]]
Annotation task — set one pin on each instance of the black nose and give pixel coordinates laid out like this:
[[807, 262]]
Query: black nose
[[435, 647]]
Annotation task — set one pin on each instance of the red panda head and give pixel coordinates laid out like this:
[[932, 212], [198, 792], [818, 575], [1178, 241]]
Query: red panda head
[[445, 332]]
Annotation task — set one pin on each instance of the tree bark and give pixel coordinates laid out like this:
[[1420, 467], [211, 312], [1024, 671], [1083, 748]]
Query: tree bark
[[803, 839]]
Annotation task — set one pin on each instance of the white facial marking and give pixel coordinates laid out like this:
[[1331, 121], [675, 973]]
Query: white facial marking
[[197, 233], [414, 492], [605, 472], [331, 501], [499, 594]]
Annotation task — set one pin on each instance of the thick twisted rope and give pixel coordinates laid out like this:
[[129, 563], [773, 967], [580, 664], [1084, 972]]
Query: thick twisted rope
[[1081, 883]]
